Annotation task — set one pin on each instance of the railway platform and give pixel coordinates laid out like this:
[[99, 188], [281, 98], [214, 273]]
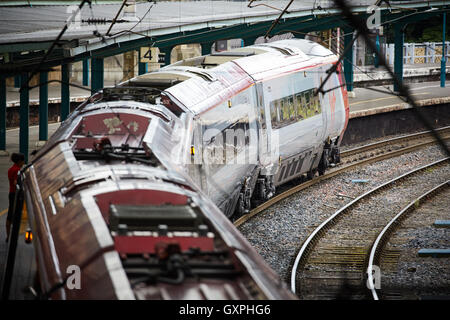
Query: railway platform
[[12, 145], [367, 102]]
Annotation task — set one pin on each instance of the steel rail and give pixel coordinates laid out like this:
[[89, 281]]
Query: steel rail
[[332, 219], [389, 228], [241, 220], [402, 138]]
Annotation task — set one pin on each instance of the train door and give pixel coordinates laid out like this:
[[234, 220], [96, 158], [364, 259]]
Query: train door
[[323, 98], [264, 122]]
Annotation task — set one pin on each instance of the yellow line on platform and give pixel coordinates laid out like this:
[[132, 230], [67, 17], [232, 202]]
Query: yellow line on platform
[[23, 222]]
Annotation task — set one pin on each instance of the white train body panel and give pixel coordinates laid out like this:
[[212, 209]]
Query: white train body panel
[[253, 117]]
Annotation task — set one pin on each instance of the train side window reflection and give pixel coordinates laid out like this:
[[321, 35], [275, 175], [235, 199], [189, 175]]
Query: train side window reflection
[[298, 99], [285, 110], [273, 113], [308, 104], [291, 108], [298, 107]]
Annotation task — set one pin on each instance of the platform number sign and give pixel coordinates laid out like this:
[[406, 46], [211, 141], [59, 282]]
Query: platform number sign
[[162, 58], [149, 55]]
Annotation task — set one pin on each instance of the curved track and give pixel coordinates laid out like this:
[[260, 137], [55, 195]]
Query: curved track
[[381, 240], [354, 157], [343, 266]]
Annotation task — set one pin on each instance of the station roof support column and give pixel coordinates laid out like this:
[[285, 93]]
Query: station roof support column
[[17, 81], [206, 48], [2, 113], [96, 74], [86, 72], [43, 106], [249, 41], [376, 62], [142, 66], [348, 58], [24, 114], [398, 52], [65, 92]]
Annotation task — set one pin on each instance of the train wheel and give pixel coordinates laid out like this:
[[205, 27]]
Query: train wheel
[[311, 173], [323, 164], [240, 209], [335, 155]]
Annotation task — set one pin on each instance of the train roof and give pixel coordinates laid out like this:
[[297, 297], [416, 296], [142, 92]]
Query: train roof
[[202, 82]]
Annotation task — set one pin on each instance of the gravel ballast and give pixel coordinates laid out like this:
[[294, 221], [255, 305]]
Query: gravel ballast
[[278, 233]]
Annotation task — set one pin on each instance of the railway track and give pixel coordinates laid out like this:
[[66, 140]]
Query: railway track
[[333, 260], [354, 157], [377, 253]]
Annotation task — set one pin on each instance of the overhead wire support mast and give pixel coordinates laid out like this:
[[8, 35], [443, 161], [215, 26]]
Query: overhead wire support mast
[[403, 90], [64, 29]]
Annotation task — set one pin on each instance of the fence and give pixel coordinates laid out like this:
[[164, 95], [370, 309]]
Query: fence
[[418, 53]]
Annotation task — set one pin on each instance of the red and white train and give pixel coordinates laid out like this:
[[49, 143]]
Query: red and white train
[[135, 187]]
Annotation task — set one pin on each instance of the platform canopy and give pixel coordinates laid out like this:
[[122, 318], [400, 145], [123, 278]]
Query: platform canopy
[[26, 32]]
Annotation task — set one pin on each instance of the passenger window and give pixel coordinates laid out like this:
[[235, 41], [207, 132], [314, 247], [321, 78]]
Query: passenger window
[[299, 106], [262, 116], [285, 110], [308, 104], [298, 99], [316, 105], [304, 106], [291, 108], [273, 113]]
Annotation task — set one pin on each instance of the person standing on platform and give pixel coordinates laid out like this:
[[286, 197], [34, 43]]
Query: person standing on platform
[[18, 160]]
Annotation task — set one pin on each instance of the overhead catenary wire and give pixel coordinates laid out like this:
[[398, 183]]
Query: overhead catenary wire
[[117, 15]]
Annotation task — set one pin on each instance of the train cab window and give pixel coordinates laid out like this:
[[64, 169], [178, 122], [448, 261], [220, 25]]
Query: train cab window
[[169, 104]]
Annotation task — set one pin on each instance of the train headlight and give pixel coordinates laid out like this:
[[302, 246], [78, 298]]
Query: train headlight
[[28, 236]]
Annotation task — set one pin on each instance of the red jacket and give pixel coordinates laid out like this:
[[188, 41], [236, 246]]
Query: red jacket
[[12, 177]]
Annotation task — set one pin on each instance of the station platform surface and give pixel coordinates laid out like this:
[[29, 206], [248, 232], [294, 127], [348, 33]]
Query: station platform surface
[[367, 102], [12, 145]]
